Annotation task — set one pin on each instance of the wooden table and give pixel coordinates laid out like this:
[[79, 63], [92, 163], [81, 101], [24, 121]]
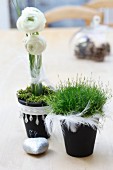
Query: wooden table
[[60, 63]]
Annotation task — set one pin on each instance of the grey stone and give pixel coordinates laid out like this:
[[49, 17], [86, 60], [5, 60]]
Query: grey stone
[[35, 145]]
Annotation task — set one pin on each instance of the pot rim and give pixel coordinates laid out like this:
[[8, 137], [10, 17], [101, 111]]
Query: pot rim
[[31, 104]]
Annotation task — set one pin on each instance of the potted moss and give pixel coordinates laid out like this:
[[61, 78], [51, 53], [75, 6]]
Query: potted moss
[[32, 104], [33, 109], [78, 106]]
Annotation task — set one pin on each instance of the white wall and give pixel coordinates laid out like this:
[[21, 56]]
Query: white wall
[[4, 14]]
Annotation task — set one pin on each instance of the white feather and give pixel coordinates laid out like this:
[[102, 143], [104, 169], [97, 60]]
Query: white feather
[[72, 122]]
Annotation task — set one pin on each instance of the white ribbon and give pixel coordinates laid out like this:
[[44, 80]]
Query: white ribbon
[[42, 78], [28, 110], [33, 110]]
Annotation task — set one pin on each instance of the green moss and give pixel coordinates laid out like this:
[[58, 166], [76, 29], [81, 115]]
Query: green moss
[[28, 96], [74, 97]]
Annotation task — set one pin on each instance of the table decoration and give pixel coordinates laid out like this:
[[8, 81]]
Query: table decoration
[[78, 106], [32, 99], [91, 42]]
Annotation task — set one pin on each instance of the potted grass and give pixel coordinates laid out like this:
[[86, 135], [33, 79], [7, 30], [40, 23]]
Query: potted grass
[[31, 100], [78, 105]]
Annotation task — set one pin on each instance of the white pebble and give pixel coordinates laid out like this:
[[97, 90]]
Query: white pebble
[[35, 145]]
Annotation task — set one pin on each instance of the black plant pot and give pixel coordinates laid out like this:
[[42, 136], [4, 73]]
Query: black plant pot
[[33, 130], [80, 143]]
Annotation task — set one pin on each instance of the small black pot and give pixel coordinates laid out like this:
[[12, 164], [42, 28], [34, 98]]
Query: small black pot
[[79, 143], [33, 130]]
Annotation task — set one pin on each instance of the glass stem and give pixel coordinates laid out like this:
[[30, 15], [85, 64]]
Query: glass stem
[[35, 68]]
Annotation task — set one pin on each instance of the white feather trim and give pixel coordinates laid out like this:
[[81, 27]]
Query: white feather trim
[[72, 122]]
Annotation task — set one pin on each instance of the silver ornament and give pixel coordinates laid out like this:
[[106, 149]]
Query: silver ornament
[[43, 117], [37, 121], [26, 119], [35, 145], [31, 118]]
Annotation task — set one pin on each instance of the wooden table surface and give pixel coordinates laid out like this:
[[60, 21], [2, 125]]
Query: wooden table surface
[[60, 63]]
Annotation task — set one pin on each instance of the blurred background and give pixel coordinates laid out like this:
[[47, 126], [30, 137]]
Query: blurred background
[[8, 14]]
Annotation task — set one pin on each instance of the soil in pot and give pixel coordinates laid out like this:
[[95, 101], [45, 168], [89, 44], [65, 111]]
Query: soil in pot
[[79, 143], [33, 130]]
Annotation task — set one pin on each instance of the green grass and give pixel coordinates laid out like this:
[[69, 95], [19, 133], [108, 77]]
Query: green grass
[[28, 96], [74, 97]]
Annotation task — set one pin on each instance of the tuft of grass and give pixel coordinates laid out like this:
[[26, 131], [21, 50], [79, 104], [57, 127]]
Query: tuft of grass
[[28, 96], [72, 97]]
